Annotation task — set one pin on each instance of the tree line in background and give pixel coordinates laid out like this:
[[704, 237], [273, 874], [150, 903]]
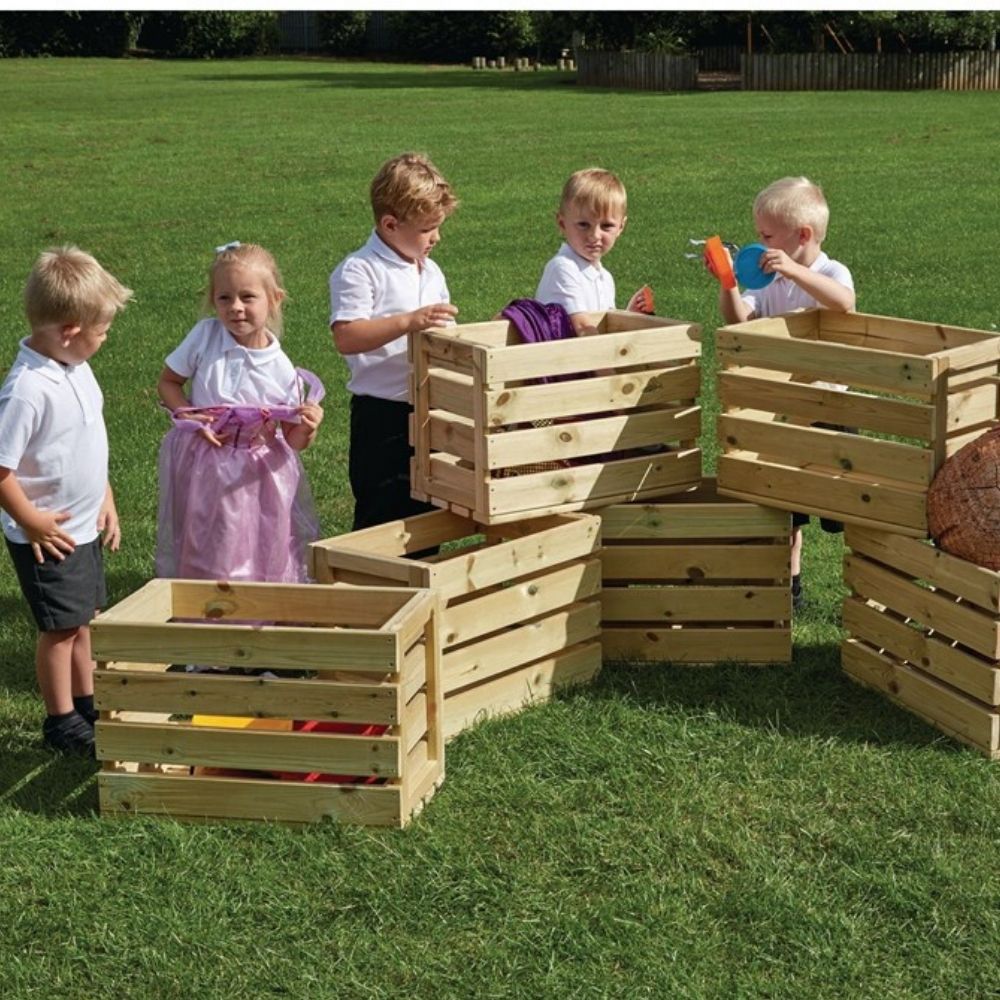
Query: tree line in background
[[458, 36]]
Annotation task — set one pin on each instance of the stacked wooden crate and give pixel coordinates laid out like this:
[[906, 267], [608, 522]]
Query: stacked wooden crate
[[520, 602], [696, 578], [339, 718], [505, 431], [849, 416]]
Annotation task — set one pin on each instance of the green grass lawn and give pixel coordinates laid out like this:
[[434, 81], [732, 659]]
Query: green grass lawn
[[729, 832]]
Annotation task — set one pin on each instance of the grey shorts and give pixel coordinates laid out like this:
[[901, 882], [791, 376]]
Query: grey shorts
[[61, 594]]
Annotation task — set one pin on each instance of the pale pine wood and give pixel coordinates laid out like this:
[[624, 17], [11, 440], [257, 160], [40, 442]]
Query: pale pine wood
[[586, 354], [255, 750], [688, 517], [811, 446], [580, 486], [248, 646], [452, 434], [961, 622], [893, 635], [621, 391], [191, 798], [890, 505], [521, 601], [683, 604], [810, 403], [447, 480], [941, 706], [693, 645], [594, 436], [116, 689], [151, 602], [921, 560], [450, 391], [479, 660], [696, 563], [530, 684]]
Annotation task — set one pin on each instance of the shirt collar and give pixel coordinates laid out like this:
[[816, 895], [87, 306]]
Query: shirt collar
[[588, 267], [54, 371], [379, 246], [257, 356]]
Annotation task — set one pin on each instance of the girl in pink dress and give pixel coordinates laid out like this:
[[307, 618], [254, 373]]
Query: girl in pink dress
[[234, 500]]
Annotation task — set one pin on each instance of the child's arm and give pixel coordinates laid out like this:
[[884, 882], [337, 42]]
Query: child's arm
[[107, 522], [357, 336], [41, 526], [825, 290], [584, 323], [300, 436], [170, 389], [732, 307]]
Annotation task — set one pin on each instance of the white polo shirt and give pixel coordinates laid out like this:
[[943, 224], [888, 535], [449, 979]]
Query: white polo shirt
[[222, 370], [371, 283], [576, 284], [52, 436], [783, 295]]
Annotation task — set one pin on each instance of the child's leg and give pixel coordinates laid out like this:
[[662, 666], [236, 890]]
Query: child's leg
[[796, 547], [83, 665], [54, 668]]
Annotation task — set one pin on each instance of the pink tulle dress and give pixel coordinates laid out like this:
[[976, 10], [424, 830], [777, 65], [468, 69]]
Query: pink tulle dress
[[240, 512]]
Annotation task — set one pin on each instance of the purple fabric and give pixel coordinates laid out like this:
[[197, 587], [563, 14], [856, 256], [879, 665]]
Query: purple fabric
[[537, 322], [240, 512]]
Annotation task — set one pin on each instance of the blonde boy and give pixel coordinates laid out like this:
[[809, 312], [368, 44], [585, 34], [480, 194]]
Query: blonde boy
[[379, 296], [791, 217], [58, 508], [592, 214]]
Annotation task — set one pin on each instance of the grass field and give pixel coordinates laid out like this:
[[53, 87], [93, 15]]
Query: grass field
[[730, 832]]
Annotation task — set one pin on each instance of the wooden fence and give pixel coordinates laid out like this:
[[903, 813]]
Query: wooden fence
[[872, 71], [636, 70]]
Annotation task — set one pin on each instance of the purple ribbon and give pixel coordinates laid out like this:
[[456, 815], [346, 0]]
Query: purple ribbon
[[235, 418], [537, 322]]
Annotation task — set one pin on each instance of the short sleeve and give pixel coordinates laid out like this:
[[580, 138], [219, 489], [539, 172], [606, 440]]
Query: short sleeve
[[185, 358], [18, 421], [561, 284], [352, 292], [840, 274]]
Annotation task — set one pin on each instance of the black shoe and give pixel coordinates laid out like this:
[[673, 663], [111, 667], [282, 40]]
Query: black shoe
[[798, 600], [72, 736]]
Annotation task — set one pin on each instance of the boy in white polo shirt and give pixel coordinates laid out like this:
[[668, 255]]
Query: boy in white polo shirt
[[592, 215], [379, 296], [791, 216], [58, 508]]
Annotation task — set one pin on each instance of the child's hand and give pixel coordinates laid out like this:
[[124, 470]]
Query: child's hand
[[439, 314], [108, 526], [774, 261], [312, 416], [43, 533]]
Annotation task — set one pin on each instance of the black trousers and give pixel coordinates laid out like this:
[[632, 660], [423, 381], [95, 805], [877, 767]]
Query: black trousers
[[379, 462]]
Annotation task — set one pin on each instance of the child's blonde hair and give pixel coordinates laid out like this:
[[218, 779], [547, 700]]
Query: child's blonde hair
[[254, 257], [596, 190], [410, 187], [794, 202], [68, 286]]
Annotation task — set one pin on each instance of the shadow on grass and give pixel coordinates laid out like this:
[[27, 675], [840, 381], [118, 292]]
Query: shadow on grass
[[36, 781], [415, 78], [811, 697]]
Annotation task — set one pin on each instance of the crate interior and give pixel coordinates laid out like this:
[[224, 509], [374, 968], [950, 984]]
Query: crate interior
[[215, 680]]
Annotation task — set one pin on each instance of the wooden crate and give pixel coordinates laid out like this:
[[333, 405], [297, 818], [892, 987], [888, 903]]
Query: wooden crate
[[365, 661], [696, 578], [521, 602], [504, 430], [917, 393], [924, 628]]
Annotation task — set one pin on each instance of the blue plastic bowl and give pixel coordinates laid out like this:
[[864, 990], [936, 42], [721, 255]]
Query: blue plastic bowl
[[747, 269]]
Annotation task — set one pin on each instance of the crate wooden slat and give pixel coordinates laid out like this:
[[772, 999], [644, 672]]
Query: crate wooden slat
[[923, 627], [504, 430], [521, 601], [696, 578], [214, 746], [916, 392]]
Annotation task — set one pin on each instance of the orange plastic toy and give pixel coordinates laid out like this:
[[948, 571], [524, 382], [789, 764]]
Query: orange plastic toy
[[646, 304], [719, 263]]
